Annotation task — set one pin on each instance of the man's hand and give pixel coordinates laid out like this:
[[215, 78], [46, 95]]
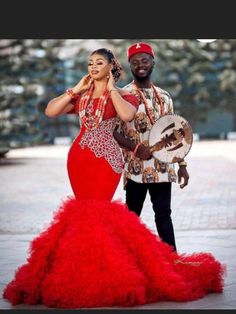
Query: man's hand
[[143, 152], [183, 176]]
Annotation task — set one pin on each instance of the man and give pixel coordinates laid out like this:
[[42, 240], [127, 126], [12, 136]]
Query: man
[[142, 171]]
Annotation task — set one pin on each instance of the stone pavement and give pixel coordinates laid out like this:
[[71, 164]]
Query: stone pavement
[[33, 181]]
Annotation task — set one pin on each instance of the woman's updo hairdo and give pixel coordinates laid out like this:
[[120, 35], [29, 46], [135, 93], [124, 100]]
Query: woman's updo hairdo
[[108, 54]]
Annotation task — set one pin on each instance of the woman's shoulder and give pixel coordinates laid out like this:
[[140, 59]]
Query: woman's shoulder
[[124, 92], [129, 96]]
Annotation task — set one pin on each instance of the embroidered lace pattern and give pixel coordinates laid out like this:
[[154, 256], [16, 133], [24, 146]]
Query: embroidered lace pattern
[[102, 143], [179, 261]]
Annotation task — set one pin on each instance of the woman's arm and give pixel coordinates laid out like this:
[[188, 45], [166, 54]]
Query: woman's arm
[[125, 110], [63, 103], [59, 105]]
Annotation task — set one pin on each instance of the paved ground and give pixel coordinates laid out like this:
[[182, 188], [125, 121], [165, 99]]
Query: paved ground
[[33, 182]]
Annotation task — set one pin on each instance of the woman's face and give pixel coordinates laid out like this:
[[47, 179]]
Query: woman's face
[[98, 67]]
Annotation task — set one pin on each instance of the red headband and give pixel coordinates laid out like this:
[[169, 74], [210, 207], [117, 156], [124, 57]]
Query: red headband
[[139, 48]]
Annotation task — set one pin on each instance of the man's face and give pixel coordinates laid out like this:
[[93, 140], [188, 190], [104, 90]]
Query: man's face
[[141, 65]]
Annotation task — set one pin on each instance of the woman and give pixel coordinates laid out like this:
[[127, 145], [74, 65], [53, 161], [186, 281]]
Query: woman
[[96, 253]]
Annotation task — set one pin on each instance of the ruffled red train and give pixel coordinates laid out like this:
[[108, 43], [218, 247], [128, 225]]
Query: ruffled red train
[[98, 254]]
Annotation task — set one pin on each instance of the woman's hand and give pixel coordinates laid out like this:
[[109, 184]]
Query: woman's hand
[[124, 109], [83, 84], [111, 82], [62, 103]]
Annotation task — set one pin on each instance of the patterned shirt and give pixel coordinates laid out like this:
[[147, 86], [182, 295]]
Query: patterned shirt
[[136, 169]]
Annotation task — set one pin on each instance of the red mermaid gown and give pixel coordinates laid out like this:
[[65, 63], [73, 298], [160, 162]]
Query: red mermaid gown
[[96, 253]]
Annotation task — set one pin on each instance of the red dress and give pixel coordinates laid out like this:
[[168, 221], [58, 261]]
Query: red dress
[[96, 253]]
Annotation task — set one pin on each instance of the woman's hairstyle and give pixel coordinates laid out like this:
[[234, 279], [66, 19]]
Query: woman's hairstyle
[[109, 56]]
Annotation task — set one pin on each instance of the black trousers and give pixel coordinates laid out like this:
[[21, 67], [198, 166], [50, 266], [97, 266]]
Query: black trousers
[[160, 194]]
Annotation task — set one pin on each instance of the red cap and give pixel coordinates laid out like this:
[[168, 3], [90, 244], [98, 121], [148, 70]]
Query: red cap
[[139, 48]]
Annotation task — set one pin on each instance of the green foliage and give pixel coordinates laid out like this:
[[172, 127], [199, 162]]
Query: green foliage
[[29, 77], [200, 77]]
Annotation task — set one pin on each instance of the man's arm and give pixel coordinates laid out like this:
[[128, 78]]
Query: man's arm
[[123, 141], [142, 152], [183, 176]]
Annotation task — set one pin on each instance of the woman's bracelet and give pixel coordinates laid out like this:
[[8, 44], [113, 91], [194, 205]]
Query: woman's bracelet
[[71, 93], [136, 148], [113, 90]]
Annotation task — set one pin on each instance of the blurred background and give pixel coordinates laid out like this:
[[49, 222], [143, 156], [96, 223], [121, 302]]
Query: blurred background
[[200, 76]]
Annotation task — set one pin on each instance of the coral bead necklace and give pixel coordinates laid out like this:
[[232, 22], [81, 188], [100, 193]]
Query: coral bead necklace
[[92, 121], [143, 98]]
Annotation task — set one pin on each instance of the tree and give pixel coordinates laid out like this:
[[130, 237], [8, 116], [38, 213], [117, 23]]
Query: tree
[[31, 73]]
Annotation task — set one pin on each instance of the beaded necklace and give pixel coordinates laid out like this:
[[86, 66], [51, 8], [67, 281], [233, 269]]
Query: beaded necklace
[[148, 111], [91, 121]]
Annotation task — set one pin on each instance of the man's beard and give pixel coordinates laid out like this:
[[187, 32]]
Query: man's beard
[[142, 78]]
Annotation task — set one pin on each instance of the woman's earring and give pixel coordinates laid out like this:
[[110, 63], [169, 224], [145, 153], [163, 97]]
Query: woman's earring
[[108, 76]]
